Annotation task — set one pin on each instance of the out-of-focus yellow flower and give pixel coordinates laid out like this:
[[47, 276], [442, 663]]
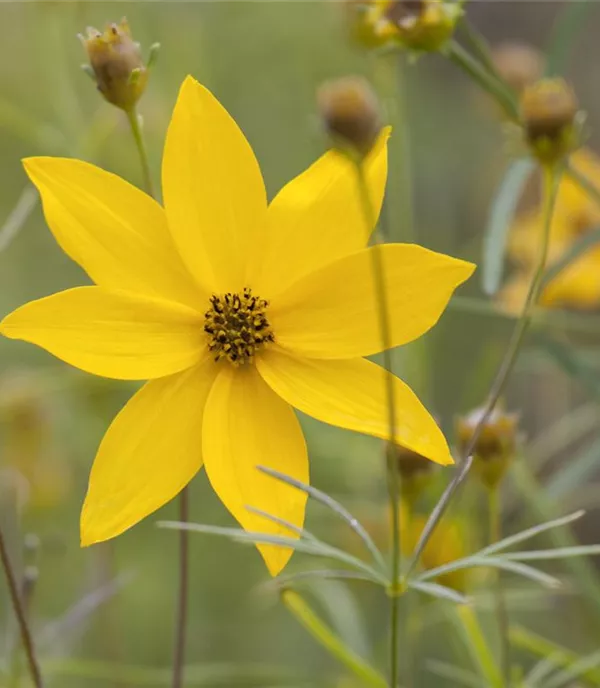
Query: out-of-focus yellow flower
[[236, 312], [27, 442], [450, 541], [576, 214], [420, 25]]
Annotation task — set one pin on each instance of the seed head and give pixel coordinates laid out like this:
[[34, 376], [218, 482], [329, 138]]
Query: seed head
[[519, 64], [549, 112], [495, 447], [350, 111], [116, 62]]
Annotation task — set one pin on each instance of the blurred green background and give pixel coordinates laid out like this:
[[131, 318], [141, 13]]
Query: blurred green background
[[264, 61]]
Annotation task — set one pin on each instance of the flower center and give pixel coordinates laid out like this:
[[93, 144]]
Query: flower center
[[237, 326]]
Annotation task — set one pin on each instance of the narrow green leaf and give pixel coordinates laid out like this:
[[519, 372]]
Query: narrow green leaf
[[583, 244], [567, 360], [567, 29], [301, 532], [308, 547], [493, 563], [575, 671], [440, 591], [500, 219], [467, 621], [540, 671], [18, 216], [335, 574], [331, 642], [547, 554], [456, 674], [335, 506], [529, 533]]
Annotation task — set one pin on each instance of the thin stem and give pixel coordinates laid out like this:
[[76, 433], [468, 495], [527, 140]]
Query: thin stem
[[17, 604], [495, 526], [182, 599], [136, 130], [551, 180], [393, 476], [476, 71]]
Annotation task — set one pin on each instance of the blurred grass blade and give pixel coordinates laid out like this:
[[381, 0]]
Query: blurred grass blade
[[574, 473], [466, 619], [583, 244], [540, 671], [500, 219], [307, 546], [569, 362], [341, 574], [575, 671], [529, 533], [440, 591], [557, 553], [335, 506], [459, 676], [525, 639], [567, 29], [302, 532], [332, 643], [18, 216], [492, 562]]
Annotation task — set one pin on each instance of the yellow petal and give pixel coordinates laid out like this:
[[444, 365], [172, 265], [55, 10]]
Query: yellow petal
[[351, 395], [113, 334], [332, 313], [317, 218], [247, 425], [213, 189], [150, 452], [115, 232]]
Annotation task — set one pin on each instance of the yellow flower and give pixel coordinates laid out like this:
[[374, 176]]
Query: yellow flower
[[578, 285], [236, 312]]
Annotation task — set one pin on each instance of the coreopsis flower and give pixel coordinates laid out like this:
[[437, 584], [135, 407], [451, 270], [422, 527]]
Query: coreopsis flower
[[236, 312], [575, 214]]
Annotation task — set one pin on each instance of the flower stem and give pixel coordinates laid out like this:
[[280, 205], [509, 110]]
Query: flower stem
[[551, 179], [17, 604], [136, 130], [182, 599], [476, 71], [393, 476], [495, 525]]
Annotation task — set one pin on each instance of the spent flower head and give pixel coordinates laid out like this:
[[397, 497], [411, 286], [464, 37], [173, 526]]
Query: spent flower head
[[236, 312], [518, 64], [549, 114], [350, 113], [116, 64], [496, 444]]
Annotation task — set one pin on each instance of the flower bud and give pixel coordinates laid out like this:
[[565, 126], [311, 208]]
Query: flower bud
[[362, 23], [117, 65], [350, 112], [416, 472], [549, 110], [518, 64], [423, 25], [496, 444]]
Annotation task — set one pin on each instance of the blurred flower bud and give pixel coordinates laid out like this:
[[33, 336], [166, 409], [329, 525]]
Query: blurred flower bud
[[350, 111], [518, 64], [422, 25], [416, 472], [495, 447], [549, 110], [117, 65], [361, 18]]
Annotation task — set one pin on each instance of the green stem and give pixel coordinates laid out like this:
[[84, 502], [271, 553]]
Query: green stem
[[495, 525], [136, 130], [551, 181], [182, 597], [480, 47], [311, 622], [393, 476], [497, 89], [17, 604]]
